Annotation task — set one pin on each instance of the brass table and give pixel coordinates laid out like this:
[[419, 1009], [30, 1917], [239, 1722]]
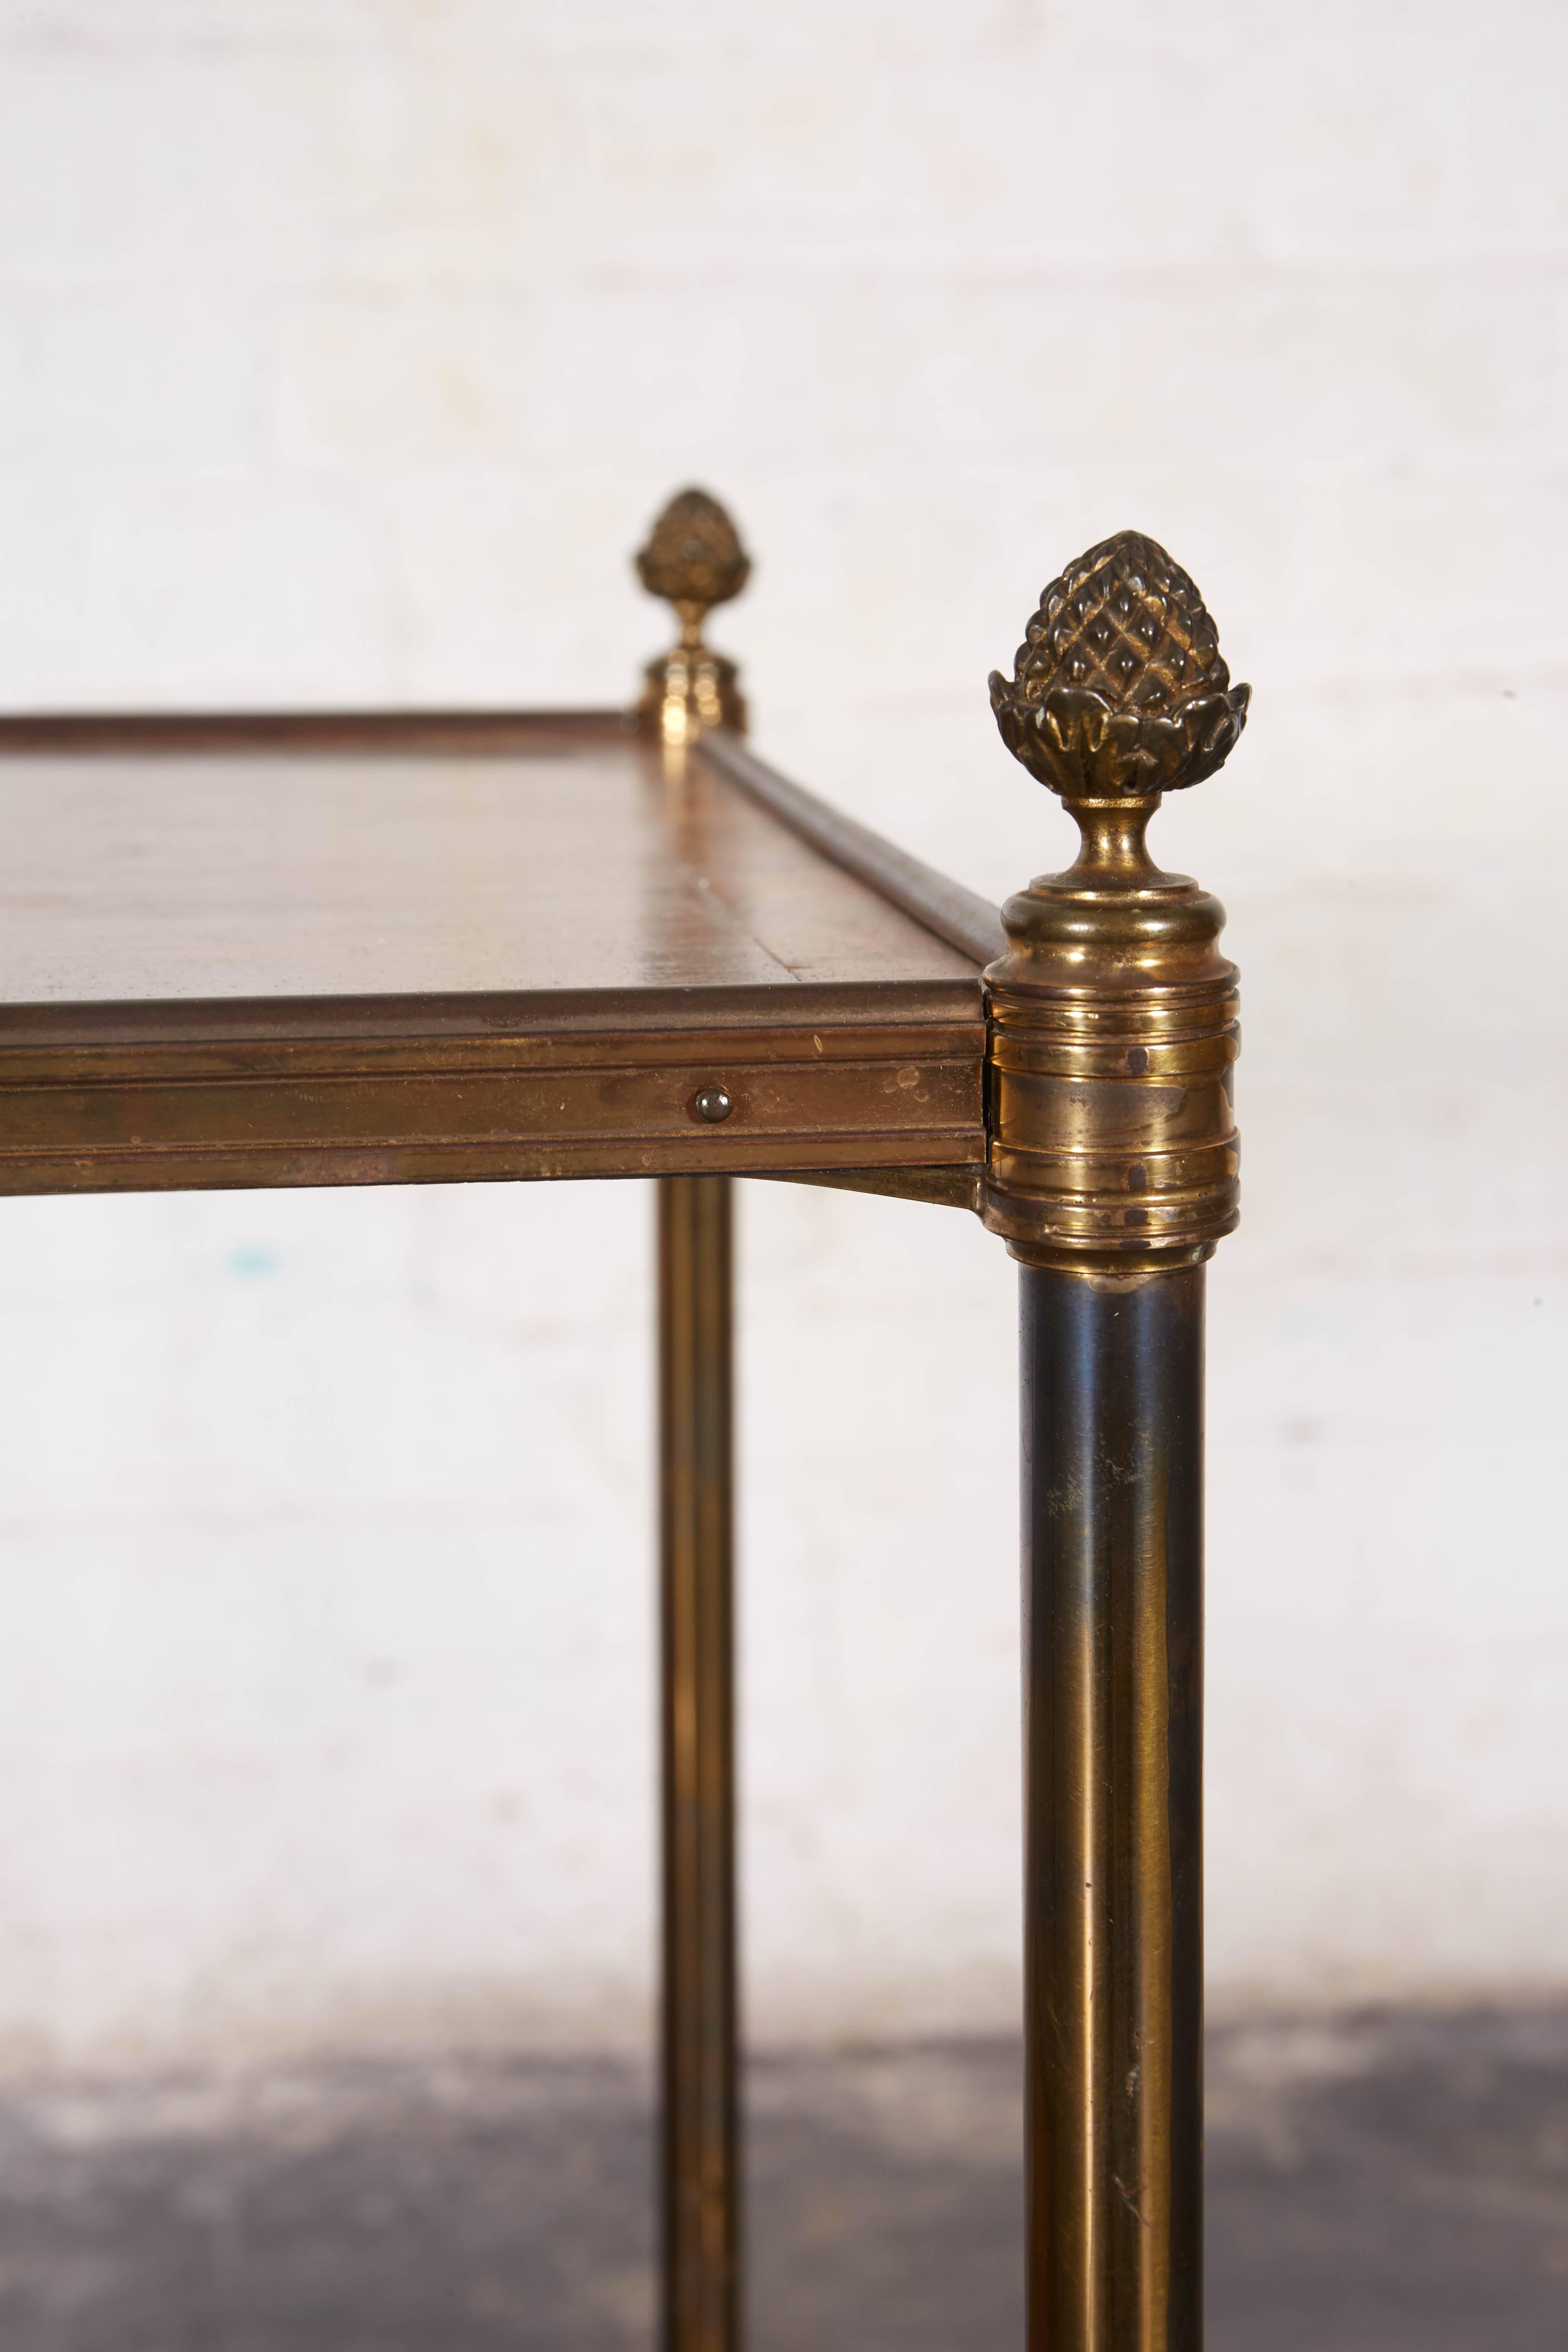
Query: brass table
[[436, 947]]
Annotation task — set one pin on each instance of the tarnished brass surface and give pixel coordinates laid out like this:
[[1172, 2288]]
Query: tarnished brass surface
[[1113, 1412], [1112, 1171], [941, 1188], [694, 559], [1112, 1139], [170, 1118], [699, 2174]]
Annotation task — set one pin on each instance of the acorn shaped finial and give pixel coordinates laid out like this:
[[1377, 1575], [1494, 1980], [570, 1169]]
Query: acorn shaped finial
[[1119, 690], [694, 555], [694, 559]]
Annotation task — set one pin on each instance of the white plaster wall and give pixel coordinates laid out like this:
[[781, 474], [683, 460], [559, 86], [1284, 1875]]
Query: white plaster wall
[[345, 348]]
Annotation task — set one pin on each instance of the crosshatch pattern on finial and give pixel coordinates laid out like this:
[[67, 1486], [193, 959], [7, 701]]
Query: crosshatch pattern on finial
[[1120, 689], [694, 559], [694, 555]]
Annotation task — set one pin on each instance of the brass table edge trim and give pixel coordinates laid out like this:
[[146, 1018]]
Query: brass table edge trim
[[956, 1186], [742, 1010], [384, 730], [286, 1166]]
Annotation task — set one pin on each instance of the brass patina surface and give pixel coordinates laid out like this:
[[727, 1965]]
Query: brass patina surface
[[1111, 1372], [694, 559], [1112, 1138], [1111, 1172], [700, 2178], [370, 949]]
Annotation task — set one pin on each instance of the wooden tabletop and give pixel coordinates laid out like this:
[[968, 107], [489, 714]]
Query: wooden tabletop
[[340, 951]]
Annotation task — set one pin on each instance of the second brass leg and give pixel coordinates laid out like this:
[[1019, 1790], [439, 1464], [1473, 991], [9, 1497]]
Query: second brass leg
[[701, 2138]]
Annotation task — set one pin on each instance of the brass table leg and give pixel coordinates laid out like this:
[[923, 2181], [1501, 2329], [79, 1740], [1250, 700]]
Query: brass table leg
[[700, 2173], [1113, 1404], [1112, 1172]]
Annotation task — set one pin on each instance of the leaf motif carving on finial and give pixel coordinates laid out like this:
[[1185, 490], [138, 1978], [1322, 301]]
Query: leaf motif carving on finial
[[694, 555], [1119, 690]]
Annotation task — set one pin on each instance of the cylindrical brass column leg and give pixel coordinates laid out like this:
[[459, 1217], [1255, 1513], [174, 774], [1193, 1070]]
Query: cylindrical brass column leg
[[1113, 1429], [701, 2168], [1111, 1169]]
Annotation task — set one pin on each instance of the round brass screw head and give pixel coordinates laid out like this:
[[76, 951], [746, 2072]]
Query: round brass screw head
[[713, 1104]]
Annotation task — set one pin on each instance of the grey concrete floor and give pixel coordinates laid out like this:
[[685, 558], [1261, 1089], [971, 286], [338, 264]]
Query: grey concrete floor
[[1374, 2182]]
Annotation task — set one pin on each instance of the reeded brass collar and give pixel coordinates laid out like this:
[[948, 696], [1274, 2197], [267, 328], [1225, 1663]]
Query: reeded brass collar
[[1112, 1144], [694, 559]]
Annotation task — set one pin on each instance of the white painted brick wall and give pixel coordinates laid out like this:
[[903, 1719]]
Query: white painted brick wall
[[346, 347]]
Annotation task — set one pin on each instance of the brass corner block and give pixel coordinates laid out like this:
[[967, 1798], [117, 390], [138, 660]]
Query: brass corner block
[[694, 559], [1112, 1147]]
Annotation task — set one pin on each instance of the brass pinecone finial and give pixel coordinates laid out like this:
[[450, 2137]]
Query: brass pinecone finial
[[694, 559], [1119, 690], [694, 555]]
